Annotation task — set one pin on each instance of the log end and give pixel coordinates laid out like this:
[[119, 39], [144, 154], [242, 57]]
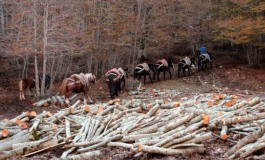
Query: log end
[[87, 109], [100, 109], [5, 132], [24, 125], [224, 136], [140, 148]]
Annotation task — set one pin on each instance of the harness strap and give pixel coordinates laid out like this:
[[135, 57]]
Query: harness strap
[[184, 64], [111, 73]]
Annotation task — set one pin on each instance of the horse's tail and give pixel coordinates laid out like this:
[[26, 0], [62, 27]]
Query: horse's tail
[[63, 87]]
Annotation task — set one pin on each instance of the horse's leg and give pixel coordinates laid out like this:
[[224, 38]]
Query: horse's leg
[[150, 77], [84, 96], [21, 95], [33, 92], [158, 73], [123, 80], [183, 70], [117, 89], [189, 70], [199, 64], [169, 73], [144, 78], [179, 69], [204, 65], [88, 97], [154, 76], [66, 96]]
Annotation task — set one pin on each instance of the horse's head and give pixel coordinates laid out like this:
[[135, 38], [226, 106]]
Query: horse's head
[[91, 77], [47, 80], [192, 60], [170, 64], [124, 71], [135, 73], [152, 67]]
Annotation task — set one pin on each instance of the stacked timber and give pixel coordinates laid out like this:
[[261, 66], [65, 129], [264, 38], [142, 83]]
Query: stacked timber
[[55, 100], [161, 127]]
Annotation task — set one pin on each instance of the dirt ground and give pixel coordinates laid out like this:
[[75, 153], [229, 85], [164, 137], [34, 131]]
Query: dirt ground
[[229, 74]]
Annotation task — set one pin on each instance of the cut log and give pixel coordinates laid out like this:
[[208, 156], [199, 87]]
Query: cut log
[[166, 151], [170, 105], [153, 110], [61, 101], [248, 139], [223, 133], [67, 128], [183, 139], [99, 144], [37, 121], [35, 145], [254, 101], [87, 155], [7, 145], [134, 138], [9, 132], [47, 148], [111, 102], [176, 123], [42, 102], [106, 110]]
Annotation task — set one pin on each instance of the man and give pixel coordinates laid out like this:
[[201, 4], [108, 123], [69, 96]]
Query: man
[[203, 50]]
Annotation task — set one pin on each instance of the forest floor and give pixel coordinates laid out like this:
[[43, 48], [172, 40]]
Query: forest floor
[[229, 74]]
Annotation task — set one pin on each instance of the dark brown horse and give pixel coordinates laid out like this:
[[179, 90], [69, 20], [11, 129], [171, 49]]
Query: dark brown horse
[[30, 83], [77, 83]]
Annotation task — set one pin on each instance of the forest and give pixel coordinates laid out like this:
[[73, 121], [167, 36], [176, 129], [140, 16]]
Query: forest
[[65, 37], [51, 36]]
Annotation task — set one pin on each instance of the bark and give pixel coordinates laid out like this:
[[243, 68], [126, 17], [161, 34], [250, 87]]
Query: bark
[[7, 145], [176, 123], [166, 151], [87, 155], [104, 142], [134, 138]]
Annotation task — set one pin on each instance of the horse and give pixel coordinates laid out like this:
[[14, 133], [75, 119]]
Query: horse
[[203, 60], [30, 83], [164, 66], [184, 64], [114, 78], [144, 69], [77, 83]]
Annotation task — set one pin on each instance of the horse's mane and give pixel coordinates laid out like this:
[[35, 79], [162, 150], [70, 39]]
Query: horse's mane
[[90, 77]]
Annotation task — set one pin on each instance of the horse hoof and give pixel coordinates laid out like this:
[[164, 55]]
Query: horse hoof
[[91, 102]]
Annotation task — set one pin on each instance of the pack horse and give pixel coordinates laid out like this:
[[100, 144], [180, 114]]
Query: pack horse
[[77, 83]]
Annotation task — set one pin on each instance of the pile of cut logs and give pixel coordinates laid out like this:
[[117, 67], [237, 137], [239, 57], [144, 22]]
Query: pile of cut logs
[[161, 127]]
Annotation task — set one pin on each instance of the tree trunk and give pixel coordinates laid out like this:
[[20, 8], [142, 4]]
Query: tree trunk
[[45, 49], [252, 55]]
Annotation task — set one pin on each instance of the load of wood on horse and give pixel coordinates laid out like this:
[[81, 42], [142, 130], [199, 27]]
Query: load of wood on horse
[[114, 77], [77, 83], [164, 66]]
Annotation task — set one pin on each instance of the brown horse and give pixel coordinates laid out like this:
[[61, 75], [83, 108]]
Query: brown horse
[[77, 83], [29, 84], [24, 84]]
